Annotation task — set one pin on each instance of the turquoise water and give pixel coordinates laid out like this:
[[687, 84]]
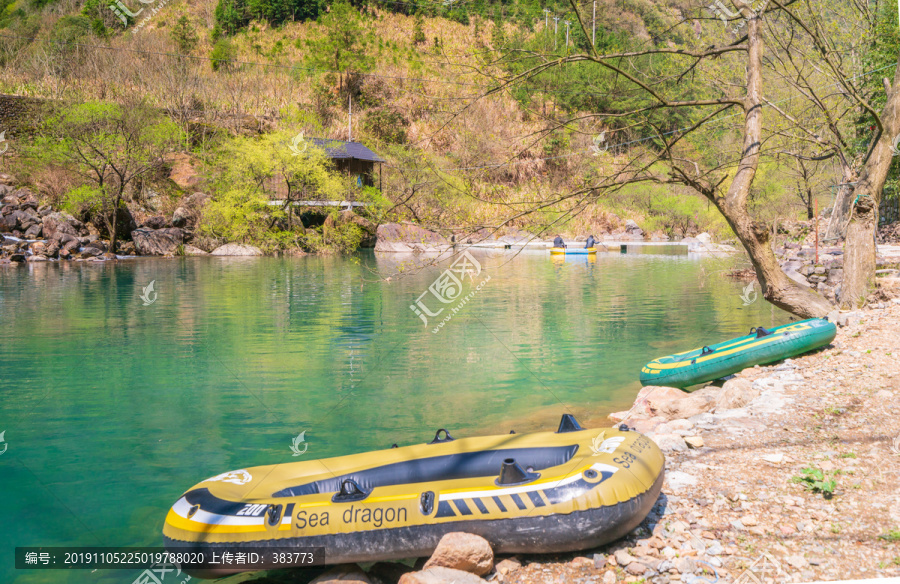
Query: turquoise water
[[112, 408]]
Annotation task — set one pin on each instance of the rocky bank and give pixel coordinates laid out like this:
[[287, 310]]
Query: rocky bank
[[739, 503]]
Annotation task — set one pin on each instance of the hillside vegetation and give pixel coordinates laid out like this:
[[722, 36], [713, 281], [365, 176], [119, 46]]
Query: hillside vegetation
[[421, 80]]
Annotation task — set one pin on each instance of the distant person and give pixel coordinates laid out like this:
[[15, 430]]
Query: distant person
[[590, 242], [558, 242]]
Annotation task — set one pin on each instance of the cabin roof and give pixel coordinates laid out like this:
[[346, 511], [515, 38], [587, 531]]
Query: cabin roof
[[341, 149]]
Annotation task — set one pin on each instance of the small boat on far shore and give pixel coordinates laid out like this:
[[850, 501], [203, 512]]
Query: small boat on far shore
[[572, 250]]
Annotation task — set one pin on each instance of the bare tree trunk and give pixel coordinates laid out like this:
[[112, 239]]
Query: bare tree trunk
[[114, 227], [837, 224], [777, 287], [859, 246], [859, 254]]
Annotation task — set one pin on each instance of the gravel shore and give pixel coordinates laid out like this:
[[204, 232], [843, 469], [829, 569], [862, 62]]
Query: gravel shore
[[744, 506]]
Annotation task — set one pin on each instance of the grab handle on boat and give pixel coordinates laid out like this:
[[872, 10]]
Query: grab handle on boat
[[568, 423], [437, 437], [760, 332], [274, 514], [426, 502], [706, 351], [350, 491]]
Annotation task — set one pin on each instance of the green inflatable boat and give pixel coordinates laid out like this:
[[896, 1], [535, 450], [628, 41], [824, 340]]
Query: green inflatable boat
[[761, 346]]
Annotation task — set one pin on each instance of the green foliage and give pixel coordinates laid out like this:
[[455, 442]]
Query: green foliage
[[498, 37], [233, 15], [892, 535], [386, 125], [223, 55], [184, 36], [346, 43], [109, 146], [418, 30], [84, 200], [813, 479], [334, 237], [70, 29], [252, 171], [99, 28]]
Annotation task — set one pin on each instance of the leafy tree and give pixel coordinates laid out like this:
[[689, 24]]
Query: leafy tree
[[257, 170], [233, 15], [222, 55], [419, 30], [344, 48], [110, 146], [184, 35]]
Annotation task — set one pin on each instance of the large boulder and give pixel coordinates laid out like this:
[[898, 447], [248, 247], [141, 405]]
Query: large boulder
[[735, 393], [34, 231], [60, 222], [633, 231], [237, 249], [181, 217], [125, 224], [440, 575], [648, 402], [187, 214], [463, 551], [20, 220], [702, 400], [157, 241], [62, 244], [401, 238], [156, 222]]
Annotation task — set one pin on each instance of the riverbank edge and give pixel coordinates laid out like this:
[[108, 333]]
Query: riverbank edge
[[737, 505]]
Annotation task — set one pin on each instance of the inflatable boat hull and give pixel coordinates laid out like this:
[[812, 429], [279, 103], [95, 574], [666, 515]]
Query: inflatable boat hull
[[580, 489], [758, 348]]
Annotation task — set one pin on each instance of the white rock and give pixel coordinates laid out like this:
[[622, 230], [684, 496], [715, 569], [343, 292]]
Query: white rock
[[679, 480], [237, 249]]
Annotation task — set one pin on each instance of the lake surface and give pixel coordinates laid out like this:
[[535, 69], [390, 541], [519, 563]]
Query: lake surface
[[113, 406]]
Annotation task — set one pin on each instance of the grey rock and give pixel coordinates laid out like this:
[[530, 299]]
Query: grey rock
[[669, 442], [156, 222], [679, 480], [181, 217], [735, 393], [157, 241], [237, 249], [401, 238], [440, 575], [797, 277]]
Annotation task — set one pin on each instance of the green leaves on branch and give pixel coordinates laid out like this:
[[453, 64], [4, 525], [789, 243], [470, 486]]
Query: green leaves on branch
[[254, 171]]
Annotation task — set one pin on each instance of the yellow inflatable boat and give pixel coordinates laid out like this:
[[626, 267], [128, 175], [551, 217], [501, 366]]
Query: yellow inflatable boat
[[572, 250], [525, 493]]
